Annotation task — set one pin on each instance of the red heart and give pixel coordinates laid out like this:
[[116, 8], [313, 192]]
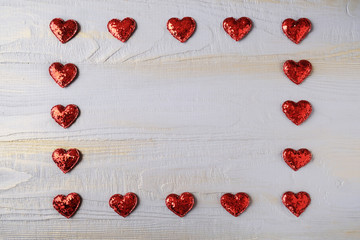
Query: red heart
[[237, 29], [297, 112], [181, 29], [296, 31], [180, 205], [122, 30], [67, 205], [296, 203], [297, 159], [235, 204], [65, 116], [64, 31], [297, 71], [66, 160], [123, 205], [63, 75]]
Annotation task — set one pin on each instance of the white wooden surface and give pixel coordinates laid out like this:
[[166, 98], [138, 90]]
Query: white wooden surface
[[158, 116]]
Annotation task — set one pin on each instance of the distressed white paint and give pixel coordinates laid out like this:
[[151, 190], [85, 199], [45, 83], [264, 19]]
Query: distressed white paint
[[158, 116]]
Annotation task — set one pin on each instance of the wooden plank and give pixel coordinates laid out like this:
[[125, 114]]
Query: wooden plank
[[159, 117]]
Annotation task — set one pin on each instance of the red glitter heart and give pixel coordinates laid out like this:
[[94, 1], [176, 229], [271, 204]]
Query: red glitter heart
[[122, 30], [237, 29], [65, 116], [297, 159], [64, 31], [296, 31], [180, 205], [297, 71], [235, 204], [297, 112], [66, 160], [63, 75], [67, 205], [123, 205], [181, 29], [296, 203]]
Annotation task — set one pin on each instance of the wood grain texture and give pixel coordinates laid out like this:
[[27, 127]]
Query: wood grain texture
[[158, 116]]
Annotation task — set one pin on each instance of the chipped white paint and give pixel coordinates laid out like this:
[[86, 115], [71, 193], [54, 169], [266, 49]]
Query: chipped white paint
[[158, 116]]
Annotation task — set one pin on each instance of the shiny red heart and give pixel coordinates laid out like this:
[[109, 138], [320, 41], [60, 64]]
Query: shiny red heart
[[297, 71], [122, 30], [123, 205], [181, 29], [180, 205], [297, 112], [66, 160], [296, 159], [63, 75], [65, 116], [67, 205], [64, 31], [237, 29], [296, 203], [296, 31], [235, 204]]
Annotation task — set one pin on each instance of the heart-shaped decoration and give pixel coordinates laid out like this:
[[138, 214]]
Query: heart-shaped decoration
[[62, 30], [296, 159], [66, 160], [296, 203], [180, 205], [181, 29], [65, 116], [67, 205], [297, 112], [237, 29], [123, 205], [122, 30], [235, 204], [296, 31], [297, 71], [63, 75]]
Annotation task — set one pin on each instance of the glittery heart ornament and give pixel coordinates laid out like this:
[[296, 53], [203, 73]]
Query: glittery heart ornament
[[297, 71], [235, 204], [296, 159], [64, 31], [237, 29], [296, 203], [65, 116], [66, 160], [63, 75], [180, 205], [296, 31], [123, 205], [181, 29], [67, 205], [297, 112], [122, 30]]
